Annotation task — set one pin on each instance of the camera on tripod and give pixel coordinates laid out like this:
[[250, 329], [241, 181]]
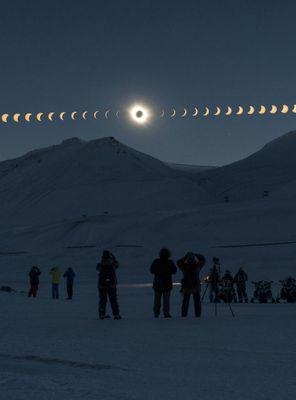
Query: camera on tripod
[[216, 260]]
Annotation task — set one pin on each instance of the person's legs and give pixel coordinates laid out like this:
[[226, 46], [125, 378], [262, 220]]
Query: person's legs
[[211, 294], [214, 293], [55, 291], [102, 301], [245, 294], [166, 303], [239, 294], [234, 298], [70, 291], [216, 299], [157, 303], [197, 304], [112, 294], [185, 304], [34, 290]]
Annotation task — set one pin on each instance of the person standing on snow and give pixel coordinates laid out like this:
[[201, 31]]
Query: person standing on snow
[[107, 282], [240, 280], [162, 268], [191, 266], [228, 293], [214, 281], [70, 275], [34, 281], [55, 281]]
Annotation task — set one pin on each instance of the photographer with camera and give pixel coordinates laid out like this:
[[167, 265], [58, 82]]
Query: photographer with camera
[[191, 266], [227, 293], [214, 280], [240, 280]]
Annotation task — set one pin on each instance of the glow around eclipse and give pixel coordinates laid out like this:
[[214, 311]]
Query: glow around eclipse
[[139, 114]]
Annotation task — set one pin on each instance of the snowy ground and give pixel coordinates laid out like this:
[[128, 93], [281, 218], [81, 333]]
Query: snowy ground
[[112, 197], [60, 350]]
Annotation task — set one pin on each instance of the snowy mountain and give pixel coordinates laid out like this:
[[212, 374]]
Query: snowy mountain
[[87, 178], [270, 169], [66, 203]]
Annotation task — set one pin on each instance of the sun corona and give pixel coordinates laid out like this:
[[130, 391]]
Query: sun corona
[[139, 114]]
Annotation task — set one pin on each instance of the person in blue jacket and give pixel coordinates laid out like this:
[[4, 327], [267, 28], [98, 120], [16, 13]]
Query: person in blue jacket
[[70, 276]]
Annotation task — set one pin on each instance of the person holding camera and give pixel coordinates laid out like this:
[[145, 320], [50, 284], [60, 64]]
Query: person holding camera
[[107, 285], [240, 280], [214, 280], [191, 265], [227, 293]]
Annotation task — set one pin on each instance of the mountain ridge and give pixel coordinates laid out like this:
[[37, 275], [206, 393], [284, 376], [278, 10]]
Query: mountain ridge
[[88, 177], [268, 169]]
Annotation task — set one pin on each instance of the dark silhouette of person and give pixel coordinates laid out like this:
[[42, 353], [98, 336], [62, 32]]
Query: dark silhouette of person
[[240, 279], [107, 285], [191, 265], [227, 292], [214, 281], [34, 281], [162, 268], [55, 281], [70, 276]]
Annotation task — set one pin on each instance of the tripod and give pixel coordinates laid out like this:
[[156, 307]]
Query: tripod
[[216, 302]]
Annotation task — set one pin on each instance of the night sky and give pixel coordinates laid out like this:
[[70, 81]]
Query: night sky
[[85, 55]]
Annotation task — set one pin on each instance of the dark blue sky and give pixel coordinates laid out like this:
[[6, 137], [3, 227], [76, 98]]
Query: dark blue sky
[[67, 55]]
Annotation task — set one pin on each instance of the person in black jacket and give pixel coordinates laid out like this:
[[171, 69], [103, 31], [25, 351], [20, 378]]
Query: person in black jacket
[[70, 277], [240, 280], [162, 268], [191, 266], [227, 291], [34, 281], [107, 282]]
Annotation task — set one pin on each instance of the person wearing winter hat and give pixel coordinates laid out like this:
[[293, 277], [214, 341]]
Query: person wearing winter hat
[[191, 265]]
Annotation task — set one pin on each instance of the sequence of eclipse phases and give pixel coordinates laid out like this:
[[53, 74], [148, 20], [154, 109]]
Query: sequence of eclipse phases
[[142, 114]]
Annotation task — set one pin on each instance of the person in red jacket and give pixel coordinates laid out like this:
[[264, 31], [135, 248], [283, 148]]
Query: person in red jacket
[[34, 281], [191, 266]]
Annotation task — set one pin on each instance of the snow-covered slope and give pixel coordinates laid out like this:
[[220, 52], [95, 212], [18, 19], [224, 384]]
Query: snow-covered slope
[[269, 169], [102, 194], [190, 168], [87, 178]]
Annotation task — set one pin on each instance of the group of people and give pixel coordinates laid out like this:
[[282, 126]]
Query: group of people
[[227, 288], [56, 275], [163, 268]]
